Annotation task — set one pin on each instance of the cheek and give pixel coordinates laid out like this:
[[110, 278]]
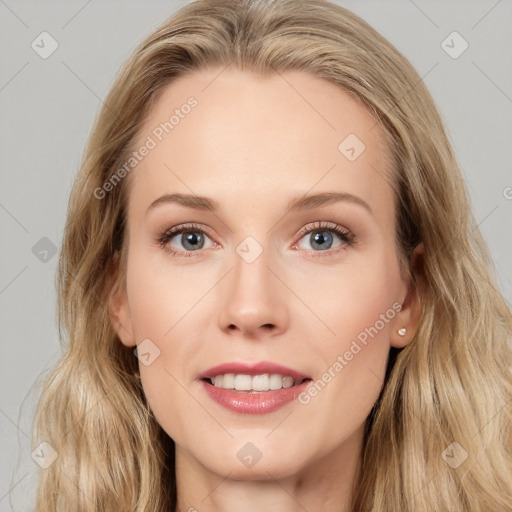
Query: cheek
[[162, 295], [166, 310], [354, 366], [357, 303], [166, 380], [345, 298]]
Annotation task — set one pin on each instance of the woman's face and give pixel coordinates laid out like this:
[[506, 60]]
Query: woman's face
[[269, 276]]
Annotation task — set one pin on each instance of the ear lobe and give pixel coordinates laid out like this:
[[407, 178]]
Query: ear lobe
[[119, 309], [409, 316]]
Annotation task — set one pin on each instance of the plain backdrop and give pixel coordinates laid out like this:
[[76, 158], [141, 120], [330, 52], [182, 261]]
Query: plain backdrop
[[48, 106]]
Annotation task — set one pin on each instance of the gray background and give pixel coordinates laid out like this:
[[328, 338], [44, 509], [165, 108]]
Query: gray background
[[48, 106]]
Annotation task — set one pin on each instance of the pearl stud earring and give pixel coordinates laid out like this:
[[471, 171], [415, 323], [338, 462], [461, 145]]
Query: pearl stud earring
[[402, 331]]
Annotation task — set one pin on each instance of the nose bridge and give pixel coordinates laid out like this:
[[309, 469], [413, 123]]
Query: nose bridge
[[253, 297]]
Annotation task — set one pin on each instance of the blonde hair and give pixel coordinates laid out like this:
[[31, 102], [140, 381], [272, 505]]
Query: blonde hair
[[452, 383]]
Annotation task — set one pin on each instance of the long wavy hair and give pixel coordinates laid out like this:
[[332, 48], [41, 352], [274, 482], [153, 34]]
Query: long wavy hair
[[451, 383]]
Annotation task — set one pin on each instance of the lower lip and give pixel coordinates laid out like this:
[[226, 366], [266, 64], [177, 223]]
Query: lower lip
[[259, 402]]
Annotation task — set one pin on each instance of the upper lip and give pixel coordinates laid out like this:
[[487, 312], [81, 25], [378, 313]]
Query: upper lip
[[252, 369]]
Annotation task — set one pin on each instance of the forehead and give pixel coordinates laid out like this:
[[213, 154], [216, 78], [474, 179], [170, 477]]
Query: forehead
[[237, 135]]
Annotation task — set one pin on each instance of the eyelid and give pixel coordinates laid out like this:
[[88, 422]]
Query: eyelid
[[324, 225], [187, 226]]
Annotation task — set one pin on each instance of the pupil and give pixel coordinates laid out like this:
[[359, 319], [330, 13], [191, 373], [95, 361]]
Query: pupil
[[320, 239], [194, 240]]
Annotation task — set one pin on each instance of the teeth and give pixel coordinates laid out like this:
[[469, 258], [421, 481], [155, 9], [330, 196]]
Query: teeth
[[287, 382], [228, 381], [243, 382], [265, 382], [260, 383]]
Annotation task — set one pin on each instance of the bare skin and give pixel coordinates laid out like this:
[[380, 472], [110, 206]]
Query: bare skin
[[253, 144]]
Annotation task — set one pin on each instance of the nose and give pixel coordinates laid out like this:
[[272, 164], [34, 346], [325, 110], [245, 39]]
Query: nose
[[253, 301]]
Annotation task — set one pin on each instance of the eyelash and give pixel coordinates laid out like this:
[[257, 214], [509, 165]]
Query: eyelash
[[346, 236]]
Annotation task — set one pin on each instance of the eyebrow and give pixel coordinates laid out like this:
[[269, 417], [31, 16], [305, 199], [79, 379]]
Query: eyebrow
[[298, 204]]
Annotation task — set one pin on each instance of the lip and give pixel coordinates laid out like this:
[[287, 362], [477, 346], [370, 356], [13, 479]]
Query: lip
[[253, 402], [252, 369], [256, 402]]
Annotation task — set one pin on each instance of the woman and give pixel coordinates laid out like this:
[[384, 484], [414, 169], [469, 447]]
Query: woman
[[269, 216]]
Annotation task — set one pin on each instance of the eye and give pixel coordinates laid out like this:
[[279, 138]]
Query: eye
[[322, 236], [184, 240], [188, 239]]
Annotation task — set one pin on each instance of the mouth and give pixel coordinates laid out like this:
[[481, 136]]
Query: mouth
[[253, 388], [254, 383]]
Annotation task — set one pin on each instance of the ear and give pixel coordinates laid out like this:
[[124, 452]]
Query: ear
[[409, 316], [118, 306]]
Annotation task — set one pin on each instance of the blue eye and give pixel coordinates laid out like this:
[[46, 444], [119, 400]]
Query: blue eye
[[192, 238], [320, 236]]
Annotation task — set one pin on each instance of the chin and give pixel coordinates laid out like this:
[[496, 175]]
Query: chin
[[243, 468]]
